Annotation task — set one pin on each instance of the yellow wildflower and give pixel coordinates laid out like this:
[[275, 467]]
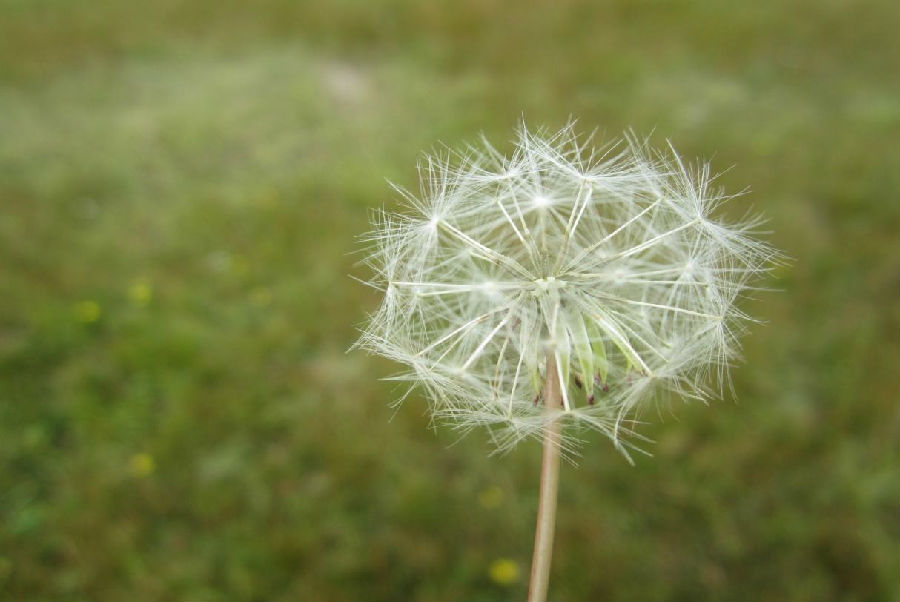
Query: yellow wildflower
[[87, 311], [142, 464], [504, 571], [490, 497], [140, 292]]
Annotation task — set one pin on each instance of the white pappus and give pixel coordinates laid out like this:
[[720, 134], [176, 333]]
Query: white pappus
[[609, 261]]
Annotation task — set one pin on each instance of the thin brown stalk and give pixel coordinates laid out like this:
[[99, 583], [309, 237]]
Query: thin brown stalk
[[546, 517]]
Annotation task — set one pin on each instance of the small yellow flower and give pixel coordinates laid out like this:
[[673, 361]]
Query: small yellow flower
[[6, 568], [504, 571], [140, 292], [239, 266], [491, 497], [87, 312], [142, 464], [268, 198], [261, 296]]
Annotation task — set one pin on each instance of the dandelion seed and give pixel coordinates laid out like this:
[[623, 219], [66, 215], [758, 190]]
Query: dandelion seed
[[610, 262]]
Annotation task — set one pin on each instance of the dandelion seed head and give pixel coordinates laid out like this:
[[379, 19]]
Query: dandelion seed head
[[611, 261]]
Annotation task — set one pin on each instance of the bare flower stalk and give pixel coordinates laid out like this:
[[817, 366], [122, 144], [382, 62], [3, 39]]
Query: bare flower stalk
[[546, 516]]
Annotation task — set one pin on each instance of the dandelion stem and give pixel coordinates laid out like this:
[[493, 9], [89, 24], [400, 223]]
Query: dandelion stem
[[546, 518]]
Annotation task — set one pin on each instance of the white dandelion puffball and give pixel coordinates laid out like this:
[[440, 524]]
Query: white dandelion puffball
[[606, 265]]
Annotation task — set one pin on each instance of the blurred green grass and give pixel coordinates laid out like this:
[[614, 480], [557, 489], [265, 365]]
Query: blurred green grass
[[182, 183]]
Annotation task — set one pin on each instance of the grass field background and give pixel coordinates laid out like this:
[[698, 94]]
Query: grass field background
[[181, 185]]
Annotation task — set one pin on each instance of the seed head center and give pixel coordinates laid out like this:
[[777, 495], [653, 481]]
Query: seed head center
[[549, 283]]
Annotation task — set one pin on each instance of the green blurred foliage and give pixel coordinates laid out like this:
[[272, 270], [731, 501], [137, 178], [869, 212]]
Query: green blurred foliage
[[181, 187]]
